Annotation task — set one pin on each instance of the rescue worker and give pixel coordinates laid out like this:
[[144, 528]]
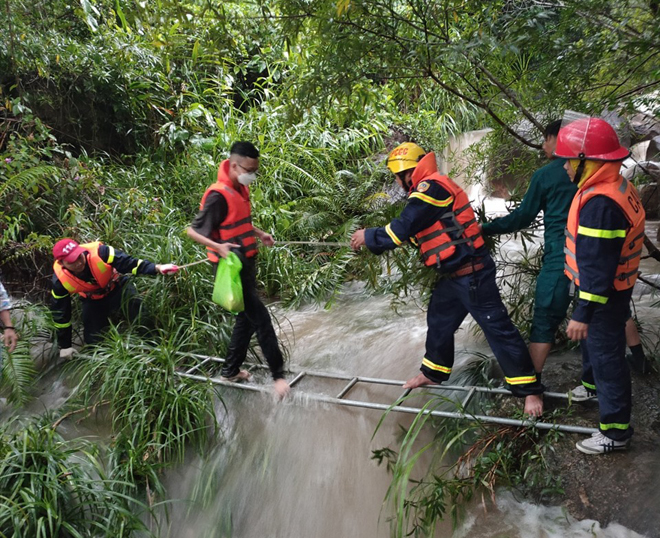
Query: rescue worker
[[94, 271], [604, 237], [9, 336], [551, 191], [224, 224], [438, 219]]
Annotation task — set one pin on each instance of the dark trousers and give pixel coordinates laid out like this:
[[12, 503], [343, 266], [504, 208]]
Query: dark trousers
[[96, 312], [254, 319], [476, 294], [604, 365]]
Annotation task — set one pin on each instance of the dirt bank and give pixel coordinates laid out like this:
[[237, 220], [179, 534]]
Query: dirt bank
[[620, 487]]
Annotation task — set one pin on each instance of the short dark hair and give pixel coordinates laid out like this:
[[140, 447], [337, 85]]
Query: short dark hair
[[552, 129], [244, 149]]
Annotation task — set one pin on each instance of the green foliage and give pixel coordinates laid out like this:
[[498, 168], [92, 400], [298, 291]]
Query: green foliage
[[154, 412], [53, 487], [18, 374], [463, 459], [511, 60]]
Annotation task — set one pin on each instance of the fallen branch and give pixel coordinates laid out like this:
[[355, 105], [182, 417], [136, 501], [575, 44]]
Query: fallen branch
[[648, 282], [90, 408]]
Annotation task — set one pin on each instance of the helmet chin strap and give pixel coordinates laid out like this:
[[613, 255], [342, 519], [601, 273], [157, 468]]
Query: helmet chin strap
[[580, 169]]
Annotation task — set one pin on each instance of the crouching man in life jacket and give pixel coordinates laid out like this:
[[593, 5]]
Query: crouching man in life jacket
[[94, 271], [439, 220], [604, 238]]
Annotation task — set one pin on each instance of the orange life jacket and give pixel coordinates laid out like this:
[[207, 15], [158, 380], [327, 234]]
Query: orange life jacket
[[105, 275], [608, 182], [237, 226], [435, 242]]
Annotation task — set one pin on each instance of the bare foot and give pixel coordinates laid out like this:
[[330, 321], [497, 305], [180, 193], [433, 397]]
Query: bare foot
[[242, 375], [534, 405], [281, 388], [420, 380]]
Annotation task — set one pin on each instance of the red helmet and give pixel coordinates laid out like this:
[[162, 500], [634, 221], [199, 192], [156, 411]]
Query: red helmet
[[589, 138]]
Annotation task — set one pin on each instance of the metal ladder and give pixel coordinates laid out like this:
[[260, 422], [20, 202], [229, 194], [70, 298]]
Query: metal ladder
[[352, 381]]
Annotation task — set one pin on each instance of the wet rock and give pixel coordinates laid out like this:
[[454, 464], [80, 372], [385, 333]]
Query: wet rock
[[644, 127], [650, 195]]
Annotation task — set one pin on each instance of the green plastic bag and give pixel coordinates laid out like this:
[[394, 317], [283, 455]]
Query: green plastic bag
[[228, 290]]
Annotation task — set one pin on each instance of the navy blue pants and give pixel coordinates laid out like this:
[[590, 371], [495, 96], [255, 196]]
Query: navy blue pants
[[254, 319], [476, 294], [604, 365], [96, 312]]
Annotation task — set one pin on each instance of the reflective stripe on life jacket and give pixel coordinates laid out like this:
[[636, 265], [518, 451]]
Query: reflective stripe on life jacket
[[624, 194], [237, 226], [104, 274], [438, 241]]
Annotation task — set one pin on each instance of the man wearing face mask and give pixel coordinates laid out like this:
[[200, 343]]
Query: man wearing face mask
[[439, 220], [224, 224], [604, 237]]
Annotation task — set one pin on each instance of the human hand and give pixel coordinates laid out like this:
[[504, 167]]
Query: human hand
[[10, 338], [281, 388], [67, 353], [167, 268], [267, 239], [224, 248], [357, 240], [577, 330]]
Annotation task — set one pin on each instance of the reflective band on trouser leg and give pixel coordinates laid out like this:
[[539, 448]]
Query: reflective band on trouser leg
[[393, 236], [61, 325], [523, 380], [589, 386], [606, 427], [436, 367]]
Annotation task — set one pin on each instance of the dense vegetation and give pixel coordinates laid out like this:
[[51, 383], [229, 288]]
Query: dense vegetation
[[115, 113]]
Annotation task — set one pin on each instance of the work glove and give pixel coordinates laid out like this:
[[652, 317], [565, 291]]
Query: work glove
[[67, 353], [168, 268]]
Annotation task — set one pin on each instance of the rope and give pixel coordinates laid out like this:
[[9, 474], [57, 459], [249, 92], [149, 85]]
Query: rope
[[191, 264], [314, 243]]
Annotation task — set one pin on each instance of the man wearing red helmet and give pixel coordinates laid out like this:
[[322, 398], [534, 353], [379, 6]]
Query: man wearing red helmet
[[604, 237], [94, 271]]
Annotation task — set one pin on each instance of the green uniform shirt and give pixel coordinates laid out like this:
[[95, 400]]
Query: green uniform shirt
[[551, 191]]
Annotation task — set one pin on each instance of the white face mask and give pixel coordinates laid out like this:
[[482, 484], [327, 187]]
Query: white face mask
[[246, 179]]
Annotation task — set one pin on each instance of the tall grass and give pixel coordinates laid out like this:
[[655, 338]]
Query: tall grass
[[50, 487]]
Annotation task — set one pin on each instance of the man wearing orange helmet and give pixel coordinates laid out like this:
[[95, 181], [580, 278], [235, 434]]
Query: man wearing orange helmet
[[439, 220], [604, 237]]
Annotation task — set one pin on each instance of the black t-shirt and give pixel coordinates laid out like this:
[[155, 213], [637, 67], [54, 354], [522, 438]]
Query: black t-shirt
[[212, 216]]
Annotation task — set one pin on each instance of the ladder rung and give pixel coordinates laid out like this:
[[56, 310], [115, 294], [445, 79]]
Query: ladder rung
[[297, 378], [198, 366], [348, 387], [468, 397]]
